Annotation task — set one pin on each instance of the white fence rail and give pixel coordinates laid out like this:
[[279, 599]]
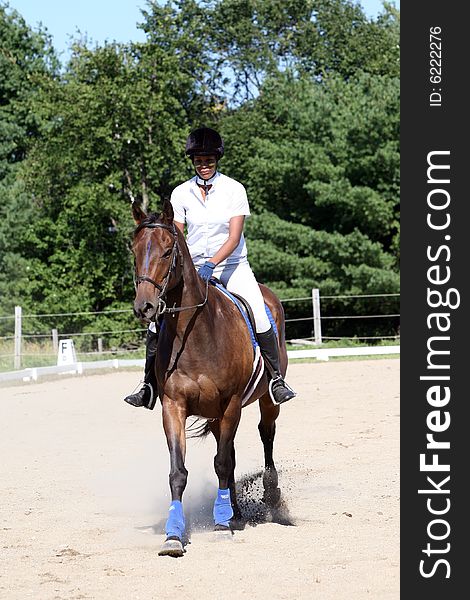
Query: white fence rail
[[20, 351], [78, 368]]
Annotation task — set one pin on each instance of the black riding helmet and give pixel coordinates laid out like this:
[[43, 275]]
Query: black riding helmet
[[204, 142]]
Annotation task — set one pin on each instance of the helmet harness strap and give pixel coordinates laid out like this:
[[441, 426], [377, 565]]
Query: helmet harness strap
[[205, 183]]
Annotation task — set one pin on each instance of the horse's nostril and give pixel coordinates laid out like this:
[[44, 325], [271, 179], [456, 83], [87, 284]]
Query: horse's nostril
[[144, 309], [147, 308]]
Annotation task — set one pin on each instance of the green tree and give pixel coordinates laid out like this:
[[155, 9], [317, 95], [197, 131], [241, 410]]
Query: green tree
[[27, 62], [114, 130], [306, 96], [255, 39], [292, 259], [322, 154], [327, 158]]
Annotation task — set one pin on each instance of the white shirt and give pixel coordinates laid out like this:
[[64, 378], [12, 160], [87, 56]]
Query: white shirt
[[208, 220]]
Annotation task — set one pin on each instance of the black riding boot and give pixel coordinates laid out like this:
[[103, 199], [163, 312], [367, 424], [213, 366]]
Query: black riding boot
[[280, 391], [147, 395]]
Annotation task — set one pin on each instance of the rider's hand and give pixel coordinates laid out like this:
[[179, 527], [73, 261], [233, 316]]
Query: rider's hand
[[205, 272]]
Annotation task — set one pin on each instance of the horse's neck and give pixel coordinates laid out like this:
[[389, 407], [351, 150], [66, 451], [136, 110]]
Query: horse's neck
[[192, 283], [192, 289]]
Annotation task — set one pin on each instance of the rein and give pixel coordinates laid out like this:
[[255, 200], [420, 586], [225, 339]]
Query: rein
[[162, 288]]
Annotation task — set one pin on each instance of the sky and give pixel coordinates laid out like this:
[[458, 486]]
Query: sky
[[100, 20]]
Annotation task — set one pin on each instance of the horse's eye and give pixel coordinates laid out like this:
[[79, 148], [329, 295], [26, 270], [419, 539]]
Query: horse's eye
[[167, 253]]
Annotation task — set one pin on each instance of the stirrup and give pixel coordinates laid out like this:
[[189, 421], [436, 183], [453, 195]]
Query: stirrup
[[291, 394], [150, 404]]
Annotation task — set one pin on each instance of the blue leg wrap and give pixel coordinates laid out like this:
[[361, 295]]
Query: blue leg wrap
[[223, 508], [175, 523]]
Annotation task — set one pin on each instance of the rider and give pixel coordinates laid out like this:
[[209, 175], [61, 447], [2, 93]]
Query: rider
[[214, 208]]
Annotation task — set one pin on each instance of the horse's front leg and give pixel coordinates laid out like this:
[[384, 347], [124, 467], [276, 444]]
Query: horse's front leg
[[224, 465], [174, 421], [237, 521]]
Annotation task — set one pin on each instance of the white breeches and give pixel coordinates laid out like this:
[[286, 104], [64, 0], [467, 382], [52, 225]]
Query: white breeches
[[239, 278]]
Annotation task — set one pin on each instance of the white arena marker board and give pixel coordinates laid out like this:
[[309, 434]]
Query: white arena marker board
[[66, 354]]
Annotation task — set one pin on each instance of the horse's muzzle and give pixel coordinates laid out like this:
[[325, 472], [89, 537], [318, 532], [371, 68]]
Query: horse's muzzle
[[145, 310]]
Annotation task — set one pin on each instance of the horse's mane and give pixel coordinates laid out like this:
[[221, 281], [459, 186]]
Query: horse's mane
[[149, 220]]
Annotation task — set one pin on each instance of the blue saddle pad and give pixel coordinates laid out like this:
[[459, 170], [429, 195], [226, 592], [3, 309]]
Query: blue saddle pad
[[245, 314]]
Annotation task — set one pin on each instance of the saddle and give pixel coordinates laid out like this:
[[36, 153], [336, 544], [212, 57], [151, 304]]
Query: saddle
[[246, 311]]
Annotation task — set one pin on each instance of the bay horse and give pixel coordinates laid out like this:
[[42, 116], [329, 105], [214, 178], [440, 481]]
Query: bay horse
[[204, 361]]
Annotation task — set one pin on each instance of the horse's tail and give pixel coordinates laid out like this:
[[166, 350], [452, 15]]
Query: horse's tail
[[199, 428]]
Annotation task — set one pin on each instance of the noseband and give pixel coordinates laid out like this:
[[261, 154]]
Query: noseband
[[162, 288]]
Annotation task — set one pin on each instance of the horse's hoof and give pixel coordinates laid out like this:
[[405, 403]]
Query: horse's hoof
[[272, 497], [172, 547], [222, 533], [237, 524]]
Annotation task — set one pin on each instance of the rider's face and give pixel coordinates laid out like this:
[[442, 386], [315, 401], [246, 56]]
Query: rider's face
[[205, 165]]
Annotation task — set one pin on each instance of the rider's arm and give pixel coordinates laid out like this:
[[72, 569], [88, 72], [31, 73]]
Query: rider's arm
[[235, 230], [180, 226]]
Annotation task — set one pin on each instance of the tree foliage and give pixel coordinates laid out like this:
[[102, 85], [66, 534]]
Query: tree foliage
[[27, 62], [327, 158], [255, 39], [305, 95]]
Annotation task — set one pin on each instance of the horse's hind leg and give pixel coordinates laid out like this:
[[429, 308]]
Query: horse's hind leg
[[267, 430], [174, 420]]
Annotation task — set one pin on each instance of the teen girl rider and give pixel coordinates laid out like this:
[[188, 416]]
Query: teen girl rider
[[214, 208]]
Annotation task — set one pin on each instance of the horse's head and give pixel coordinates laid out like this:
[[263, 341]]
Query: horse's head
[[157, 260]]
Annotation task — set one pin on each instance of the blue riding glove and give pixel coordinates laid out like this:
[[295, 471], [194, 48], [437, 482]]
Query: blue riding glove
[[205, 272]]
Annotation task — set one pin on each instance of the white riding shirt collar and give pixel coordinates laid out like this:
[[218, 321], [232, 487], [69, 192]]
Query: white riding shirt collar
[[205, 182]]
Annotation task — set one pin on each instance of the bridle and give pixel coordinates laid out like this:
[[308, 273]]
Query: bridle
[[174, 255], [162, 287]]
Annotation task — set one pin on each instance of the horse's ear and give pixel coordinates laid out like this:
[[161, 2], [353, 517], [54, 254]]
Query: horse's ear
[[167, 215], [138, 213]]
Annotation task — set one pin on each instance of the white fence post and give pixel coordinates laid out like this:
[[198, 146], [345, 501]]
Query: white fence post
[[17, 360], [316, 315], [55, 341]]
